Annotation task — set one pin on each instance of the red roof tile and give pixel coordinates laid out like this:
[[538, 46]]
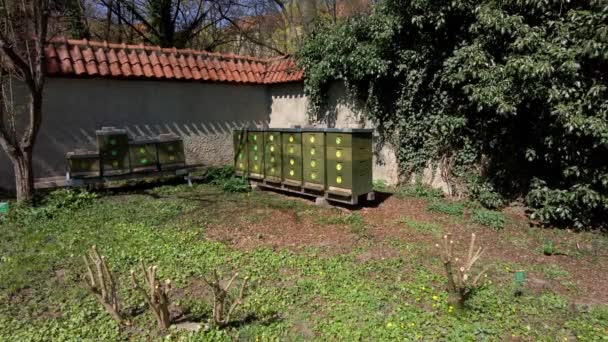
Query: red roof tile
[[82, 58]]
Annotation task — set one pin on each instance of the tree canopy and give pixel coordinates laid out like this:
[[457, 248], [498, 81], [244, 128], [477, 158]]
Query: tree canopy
[[511, 94]]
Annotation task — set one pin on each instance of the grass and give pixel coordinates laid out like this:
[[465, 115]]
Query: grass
[[455, 209], [422, 227], [489, 218], [418, 190], [293, 296], [354, 221]]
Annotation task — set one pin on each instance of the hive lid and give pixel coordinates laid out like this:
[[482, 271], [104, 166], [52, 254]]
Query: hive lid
[[143, 140], [82, 154], [314, 129], [169, 137], [110, 131], [349, 130], [297, 130]]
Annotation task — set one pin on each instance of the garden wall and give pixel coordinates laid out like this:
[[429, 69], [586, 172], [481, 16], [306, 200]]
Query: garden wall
[[204, 114], [288, 108]]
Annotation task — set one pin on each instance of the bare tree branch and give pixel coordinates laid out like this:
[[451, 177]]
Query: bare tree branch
[[248, 36]]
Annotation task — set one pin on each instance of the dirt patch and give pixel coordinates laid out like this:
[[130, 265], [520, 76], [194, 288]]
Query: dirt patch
[[303, 329], [61, 275], [515, 244], [582, 267], [283, 228], [22, 296], [195, 289], [379, 251]]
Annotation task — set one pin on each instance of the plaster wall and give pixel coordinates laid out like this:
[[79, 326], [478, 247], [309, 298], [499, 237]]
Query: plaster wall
[[288, 109], [204, 114]]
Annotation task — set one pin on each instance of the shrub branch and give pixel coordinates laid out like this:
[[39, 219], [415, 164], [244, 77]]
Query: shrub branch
[[221, 317], [157, 295], [460, 283], [102, 284]]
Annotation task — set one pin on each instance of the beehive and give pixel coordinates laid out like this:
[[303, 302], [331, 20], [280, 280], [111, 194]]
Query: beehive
[[255, 148], [170, 149], [272, 156], [349, 162], [113, 147], [291, 140], [313, 159], [239, 140], [143, 154], [83, 164]]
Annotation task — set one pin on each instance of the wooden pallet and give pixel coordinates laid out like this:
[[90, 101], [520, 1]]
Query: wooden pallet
[[311, 191], [76, 182]]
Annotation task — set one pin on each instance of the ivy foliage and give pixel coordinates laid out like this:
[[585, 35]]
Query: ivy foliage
[[512, 93]]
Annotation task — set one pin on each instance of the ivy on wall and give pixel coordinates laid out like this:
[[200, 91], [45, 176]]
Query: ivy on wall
[[512, 94]]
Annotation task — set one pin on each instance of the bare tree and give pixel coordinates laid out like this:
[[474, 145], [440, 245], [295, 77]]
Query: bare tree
[[23, 33], [168, 23], [308, 11]]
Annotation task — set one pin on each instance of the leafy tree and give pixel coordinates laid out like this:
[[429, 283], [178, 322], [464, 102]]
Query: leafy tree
[[511, 93]]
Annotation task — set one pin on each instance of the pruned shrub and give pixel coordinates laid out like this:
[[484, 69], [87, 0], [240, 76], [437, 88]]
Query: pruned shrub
[[155, 293], [223, 305], [460, 280], [102, 284]]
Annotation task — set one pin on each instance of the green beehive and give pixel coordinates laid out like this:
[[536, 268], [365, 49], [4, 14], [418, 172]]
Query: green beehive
[[272, 156], [291, 139], [170, 149], [255, 148], [239, 140], [313, 158], [349, 163], [143, 154], [113, 146], [83, 164]]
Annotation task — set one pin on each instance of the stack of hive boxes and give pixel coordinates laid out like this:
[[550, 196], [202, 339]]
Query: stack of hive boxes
[[255, 146], [113, 147], [240, 152], [313, 144], [144, 154], [291, 139], [334, 162], [272, 157], [170, 151], [118, 155]]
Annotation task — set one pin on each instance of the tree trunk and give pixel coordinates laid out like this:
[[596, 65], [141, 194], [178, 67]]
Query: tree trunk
[[108, 21], [308, 12], [24, 176]]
